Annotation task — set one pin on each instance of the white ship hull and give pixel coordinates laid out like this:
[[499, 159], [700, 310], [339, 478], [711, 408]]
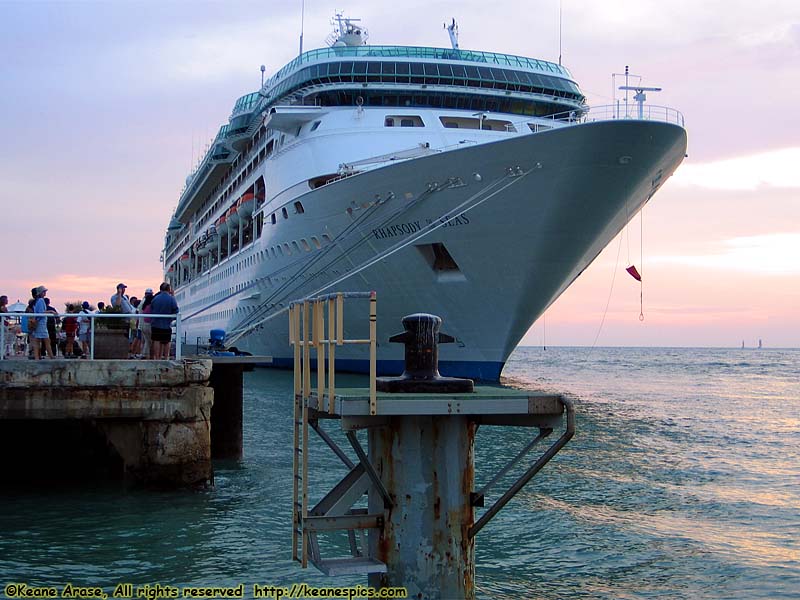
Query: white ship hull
[[521, 218]]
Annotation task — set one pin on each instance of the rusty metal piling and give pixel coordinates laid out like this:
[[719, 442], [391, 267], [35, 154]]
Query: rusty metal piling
[[427, 466]]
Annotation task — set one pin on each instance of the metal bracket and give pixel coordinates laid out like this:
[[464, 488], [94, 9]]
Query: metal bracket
[[477, 498], [528, 475]]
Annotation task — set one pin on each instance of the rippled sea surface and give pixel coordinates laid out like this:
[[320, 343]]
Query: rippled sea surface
[[682, 481]]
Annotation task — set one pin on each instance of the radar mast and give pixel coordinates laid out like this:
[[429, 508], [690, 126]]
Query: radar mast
[[346, 32], [452, 31]]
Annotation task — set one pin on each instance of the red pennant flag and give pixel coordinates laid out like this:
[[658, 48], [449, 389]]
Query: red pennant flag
[[634, 273]]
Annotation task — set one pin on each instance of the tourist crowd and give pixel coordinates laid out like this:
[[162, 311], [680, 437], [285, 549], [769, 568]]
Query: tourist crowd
[[70, 333]]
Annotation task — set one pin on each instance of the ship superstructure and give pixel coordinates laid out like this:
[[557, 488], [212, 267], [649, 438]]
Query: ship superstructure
[[473, 185]]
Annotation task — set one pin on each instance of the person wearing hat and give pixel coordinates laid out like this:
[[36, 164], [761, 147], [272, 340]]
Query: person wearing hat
[[120, 299], [84, 327], [41, 338]]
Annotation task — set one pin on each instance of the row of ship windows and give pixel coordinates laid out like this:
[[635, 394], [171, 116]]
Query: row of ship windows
[[427, 74], [447, 100], [453, 123], [277, 251]]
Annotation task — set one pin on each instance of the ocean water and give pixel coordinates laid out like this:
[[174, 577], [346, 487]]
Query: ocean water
[[682, 481]]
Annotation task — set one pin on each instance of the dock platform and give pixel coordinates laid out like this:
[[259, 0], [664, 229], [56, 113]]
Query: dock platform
[[488, 405]]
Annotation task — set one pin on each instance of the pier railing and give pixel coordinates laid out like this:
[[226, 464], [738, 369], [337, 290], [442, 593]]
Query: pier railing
[[92, 326]]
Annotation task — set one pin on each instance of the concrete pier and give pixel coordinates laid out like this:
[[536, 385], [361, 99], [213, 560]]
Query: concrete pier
[[146, 421]]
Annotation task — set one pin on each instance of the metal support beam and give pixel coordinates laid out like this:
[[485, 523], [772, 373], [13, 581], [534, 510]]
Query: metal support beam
[[373, 475], [528, 475], [477, 497], [357, 521], [331, 444]]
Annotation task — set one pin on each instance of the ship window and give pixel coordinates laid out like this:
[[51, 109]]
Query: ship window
[[537, 127], [315, 125], [273, 218], [388, 122], [296, 246], [285, 213], [405, 121], [326, 238], [316, 243], [287, 249], [298, 208], [450, 124], [306, 247]]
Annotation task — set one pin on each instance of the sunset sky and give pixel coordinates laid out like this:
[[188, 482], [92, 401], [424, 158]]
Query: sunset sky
[[105, 107]]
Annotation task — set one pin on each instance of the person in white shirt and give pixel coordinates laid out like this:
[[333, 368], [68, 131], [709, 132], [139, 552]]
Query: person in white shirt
[[84, 329]]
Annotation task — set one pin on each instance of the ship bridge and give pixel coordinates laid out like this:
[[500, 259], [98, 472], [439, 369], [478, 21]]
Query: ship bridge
[[415, 76]]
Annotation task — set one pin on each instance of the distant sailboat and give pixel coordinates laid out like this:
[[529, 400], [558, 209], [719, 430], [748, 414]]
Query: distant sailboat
[[742, 344], [759, 344]]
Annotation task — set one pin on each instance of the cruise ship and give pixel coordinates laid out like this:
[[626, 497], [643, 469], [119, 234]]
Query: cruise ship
[[473, 185]]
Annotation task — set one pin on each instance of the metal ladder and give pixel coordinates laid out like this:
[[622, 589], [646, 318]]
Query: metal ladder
[[334, 512]]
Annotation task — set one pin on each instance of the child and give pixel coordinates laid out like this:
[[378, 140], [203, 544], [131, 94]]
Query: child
[[70, 327]]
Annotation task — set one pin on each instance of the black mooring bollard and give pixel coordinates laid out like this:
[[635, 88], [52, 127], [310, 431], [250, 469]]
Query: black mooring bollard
[[422, 338]]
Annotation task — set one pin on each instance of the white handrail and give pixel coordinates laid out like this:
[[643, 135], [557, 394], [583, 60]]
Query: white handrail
[[92, 317]]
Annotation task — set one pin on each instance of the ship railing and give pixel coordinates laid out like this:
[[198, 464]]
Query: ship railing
[[11, 326], [619, 111]]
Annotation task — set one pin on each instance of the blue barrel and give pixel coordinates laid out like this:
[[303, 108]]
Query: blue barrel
[[217, 336]]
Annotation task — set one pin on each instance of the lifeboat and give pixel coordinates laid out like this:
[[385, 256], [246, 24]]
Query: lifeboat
[[233, 218], [202, 246], [245, 205], [222, 224], [184, 258]]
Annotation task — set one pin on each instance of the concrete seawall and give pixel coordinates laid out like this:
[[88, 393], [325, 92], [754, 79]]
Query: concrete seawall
[[146, 421]]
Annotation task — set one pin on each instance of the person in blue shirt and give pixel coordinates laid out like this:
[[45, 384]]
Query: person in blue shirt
[[163, 303], [41, 339]]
